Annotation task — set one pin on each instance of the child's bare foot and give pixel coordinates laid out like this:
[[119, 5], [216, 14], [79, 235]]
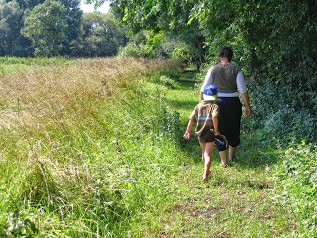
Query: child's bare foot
[[223, 165], [208, 173], [205, 176]]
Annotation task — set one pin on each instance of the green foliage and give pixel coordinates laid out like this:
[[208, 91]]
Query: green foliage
[[10, 18], [268, 44], [288, 116], [137, 51], [298, 178], [100, 36], [151, 44], [146, 44], [74, 18], [130, 50], [183, 54], [46, 27], [171, 17], [57, 28], [169, 44], [154, 39]]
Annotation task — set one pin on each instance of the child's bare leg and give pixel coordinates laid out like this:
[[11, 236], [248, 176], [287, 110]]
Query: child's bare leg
[[203, 146], [206, 168], [207, 149]]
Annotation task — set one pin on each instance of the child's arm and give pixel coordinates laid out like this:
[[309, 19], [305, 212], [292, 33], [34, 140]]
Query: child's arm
[[188, 130], [215, 122]]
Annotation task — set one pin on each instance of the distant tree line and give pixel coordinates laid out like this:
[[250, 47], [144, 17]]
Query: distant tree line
[[48, 28]]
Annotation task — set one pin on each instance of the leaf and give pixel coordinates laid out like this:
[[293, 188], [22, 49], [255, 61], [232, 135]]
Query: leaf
[[148, 3]]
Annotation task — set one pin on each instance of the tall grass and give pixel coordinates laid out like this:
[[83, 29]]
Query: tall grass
[[86, 148]]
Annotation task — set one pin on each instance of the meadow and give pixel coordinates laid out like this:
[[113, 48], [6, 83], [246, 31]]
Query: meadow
[[94, 148]]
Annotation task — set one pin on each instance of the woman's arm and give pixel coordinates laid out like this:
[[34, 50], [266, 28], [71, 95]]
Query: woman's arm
[[244, 93], [245, 98]]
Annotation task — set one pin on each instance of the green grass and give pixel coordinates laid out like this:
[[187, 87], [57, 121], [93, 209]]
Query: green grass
[[238, 201], [16, 64], [94, 148]]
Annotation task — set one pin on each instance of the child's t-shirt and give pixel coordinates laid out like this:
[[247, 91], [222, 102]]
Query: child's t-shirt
[[203, 114]]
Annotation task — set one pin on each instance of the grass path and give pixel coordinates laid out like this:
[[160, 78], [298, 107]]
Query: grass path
[[238, 201]]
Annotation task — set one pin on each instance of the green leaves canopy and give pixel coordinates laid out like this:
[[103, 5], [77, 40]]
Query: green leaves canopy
[[102, 35], [10, 23], [46, 27]]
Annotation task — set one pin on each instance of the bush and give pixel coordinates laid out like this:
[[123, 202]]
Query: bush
[[183, 54], [131, 50], [298, 178], [137, 51], [282, 112]]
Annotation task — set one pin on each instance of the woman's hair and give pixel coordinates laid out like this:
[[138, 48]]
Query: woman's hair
[[226, 52]]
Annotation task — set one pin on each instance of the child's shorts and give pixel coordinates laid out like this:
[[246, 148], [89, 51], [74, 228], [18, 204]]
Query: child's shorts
[[207, 136]]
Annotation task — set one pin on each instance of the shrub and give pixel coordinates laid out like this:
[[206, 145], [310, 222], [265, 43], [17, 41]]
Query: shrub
[[298, 178], [283, 112], [183, 54]]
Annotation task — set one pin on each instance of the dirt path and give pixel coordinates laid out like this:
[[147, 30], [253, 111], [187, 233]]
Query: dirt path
[[238, 201]]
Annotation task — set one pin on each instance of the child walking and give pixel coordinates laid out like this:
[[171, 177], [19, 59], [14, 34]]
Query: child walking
[[205, 114]]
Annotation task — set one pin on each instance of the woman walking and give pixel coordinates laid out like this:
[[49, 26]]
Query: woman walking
[[229, 80]]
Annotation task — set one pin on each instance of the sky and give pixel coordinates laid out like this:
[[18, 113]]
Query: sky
[[90, 8]]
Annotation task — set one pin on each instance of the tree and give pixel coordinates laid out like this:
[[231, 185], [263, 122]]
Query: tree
[[100, 36], [11, 21], [73, 17], [168, 16], [29, 4], [46, 27]]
